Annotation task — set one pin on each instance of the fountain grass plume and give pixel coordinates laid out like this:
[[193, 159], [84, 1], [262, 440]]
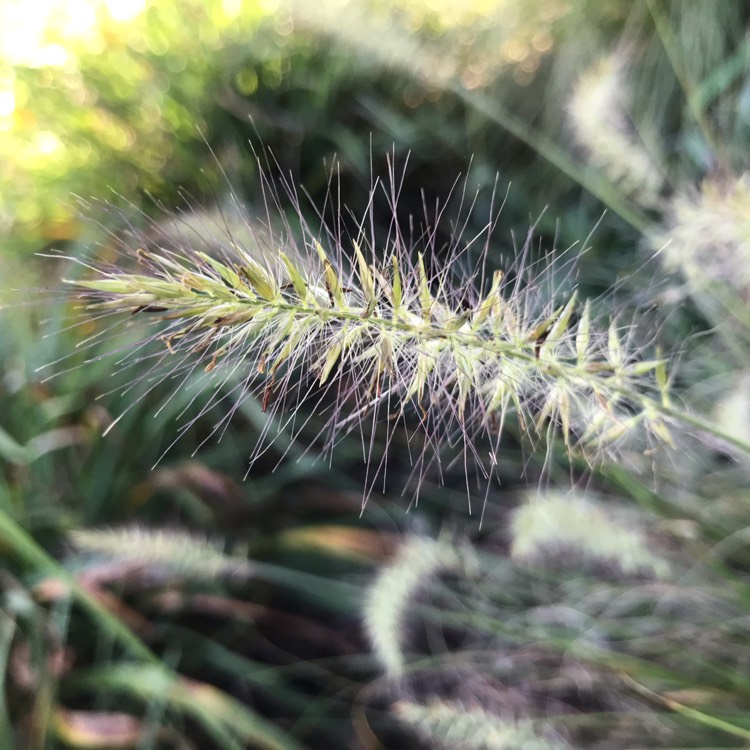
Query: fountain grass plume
[[451, 724], [392, 595], [707, 235], [172, 550], [599, 117], [366, 329], [550, 523]]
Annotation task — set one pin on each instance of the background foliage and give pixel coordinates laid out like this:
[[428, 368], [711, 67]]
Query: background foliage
[[250, 632]]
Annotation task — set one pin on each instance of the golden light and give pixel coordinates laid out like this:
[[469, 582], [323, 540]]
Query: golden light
[[46, 143], [7, 103], [124, 10], [40, 33]]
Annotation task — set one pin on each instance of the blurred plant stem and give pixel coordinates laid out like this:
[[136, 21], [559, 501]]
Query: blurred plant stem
[[30, 553]]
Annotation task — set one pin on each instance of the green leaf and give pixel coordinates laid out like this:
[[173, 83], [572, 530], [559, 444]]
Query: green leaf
[[491, 304], [614, 345], [11, 450], [396, 286], [226, 272], [261, 281]]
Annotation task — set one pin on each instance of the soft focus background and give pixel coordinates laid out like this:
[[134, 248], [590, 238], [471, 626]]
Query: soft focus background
[[184, 606]]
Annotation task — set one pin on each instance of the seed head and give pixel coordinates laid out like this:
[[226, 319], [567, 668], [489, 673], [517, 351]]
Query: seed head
[[361, 329], [599, 117]]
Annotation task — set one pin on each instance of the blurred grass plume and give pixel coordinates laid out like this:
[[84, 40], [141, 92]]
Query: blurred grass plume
[[599, 116], [453, 725], [172, 550]]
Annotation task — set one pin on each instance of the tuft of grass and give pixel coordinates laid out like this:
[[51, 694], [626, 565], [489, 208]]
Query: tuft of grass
[[575, 655]]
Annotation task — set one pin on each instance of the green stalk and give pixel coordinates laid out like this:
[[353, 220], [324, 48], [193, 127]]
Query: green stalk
[[29, 552], [7, 631], [705, 427], [689, 713]]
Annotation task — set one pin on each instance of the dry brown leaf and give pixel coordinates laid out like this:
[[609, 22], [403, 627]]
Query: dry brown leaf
[[98, 729], [345, 541]]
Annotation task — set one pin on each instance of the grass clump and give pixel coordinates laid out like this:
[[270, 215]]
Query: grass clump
[[614, 617], [707, 237], [600, 119]]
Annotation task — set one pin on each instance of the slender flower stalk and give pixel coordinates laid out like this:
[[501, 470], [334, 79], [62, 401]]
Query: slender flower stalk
[[390, 337]]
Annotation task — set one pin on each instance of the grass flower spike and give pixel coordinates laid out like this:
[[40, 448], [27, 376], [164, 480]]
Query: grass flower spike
[[599, 118], [392, 594], [707, 237], [452, 725], [172, 550], [391, 335], [554, 522]]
